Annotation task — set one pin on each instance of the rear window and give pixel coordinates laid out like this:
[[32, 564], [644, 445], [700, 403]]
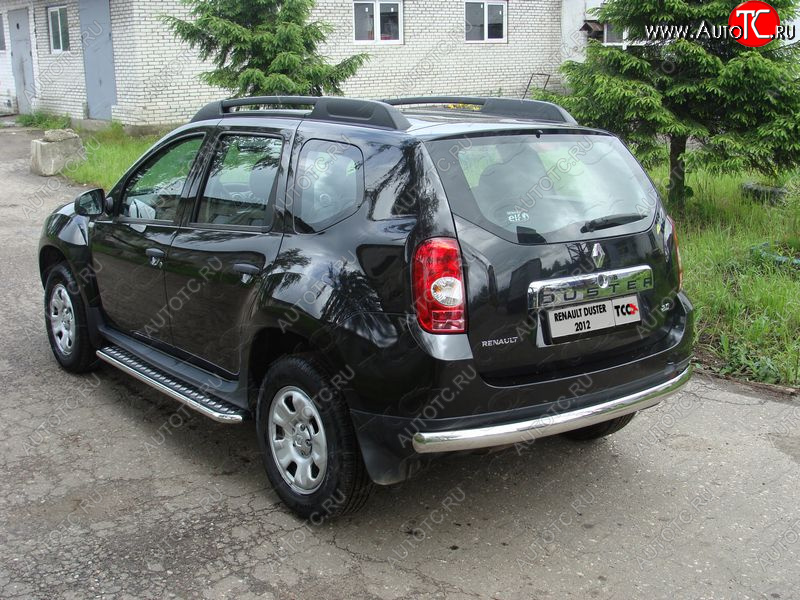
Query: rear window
[[535, 189]]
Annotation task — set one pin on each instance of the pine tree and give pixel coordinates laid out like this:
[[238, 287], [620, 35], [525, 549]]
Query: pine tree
[[263, 47], [740, 104]]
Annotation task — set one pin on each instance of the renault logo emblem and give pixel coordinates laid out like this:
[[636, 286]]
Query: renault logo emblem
[[598, 256]]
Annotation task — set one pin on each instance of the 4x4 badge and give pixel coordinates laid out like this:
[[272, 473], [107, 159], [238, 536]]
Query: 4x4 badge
[[598, 256]]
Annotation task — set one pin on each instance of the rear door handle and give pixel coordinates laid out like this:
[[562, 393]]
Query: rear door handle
[[156, 256], [247, 269]]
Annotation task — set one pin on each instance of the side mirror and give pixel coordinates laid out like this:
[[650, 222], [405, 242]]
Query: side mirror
[[91, 203]]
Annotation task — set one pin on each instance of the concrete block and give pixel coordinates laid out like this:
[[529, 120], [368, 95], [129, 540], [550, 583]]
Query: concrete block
[[59, 148]]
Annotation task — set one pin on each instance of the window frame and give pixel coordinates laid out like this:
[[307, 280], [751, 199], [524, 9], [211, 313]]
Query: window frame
[[57, 10], [486, 39], [297, 191], [376, 16], [621, 43], [163, 148], [3, 44], [206, 175], [624, 43]]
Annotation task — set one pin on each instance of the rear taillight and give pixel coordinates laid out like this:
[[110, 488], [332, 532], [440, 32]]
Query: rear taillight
[[439, 286], [677, 253]]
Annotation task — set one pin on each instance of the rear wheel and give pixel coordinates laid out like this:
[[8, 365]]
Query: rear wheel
[[600, 430], [307, 441], [66, 322]]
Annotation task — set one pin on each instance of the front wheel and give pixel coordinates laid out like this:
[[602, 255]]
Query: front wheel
[[307, 441], [66, 322], [600, 430]]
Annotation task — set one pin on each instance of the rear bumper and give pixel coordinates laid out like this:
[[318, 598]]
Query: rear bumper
[[551, 424]]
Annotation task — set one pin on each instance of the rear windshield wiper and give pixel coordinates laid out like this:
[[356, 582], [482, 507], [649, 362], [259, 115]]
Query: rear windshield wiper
[[612, 221]]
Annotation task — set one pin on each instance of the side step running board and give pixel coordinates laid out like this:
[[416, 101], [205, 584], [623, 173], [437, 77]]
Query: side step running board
[[194, 398]]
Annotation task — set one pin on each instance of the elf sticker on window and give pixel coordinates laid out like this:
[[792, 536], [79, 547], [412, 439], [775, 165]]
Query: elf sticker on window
[[518, 216]]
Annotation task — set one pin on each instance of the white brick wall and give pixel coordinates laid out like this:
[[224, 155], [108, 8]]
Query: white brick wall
[[60, 82], [435, 59], [158, 77], [8, 94]]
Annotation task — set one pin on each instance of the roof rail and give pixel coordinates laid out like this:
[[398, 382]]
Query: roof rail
[[536, 110], [324, 108]]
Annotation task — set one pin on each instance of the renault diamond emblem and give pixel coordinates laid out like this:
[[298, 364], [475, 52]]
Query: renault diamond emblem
[[598, 256]]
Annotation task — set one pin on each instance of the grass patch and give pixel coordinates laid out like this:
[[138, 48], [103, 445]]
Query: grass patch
[[748, 309], [44, 120], [109, 154]]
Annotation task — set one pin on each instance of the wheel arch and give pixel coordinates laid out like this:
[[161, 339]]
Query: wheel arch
[[270, 343], [49, 256]]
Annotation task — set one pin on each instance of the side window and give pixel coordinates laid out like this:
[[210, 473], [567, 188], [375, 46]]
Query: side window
[[329, 185], [242, 182], [154, 191], [59, 29]]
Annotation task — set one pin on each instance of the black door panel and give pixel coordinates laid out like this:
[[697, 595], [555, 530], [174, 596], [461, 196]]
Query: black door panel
[[129, 250], [131, 283], [231, 235], [209, 295]]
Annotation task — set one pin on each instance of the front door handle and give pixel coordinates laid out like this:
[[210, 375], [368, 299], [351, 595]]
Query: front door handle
[[247, 269], [156, 256]]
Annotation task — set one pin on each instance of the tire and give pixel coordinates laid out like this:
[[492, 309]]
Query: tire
[[66, 322], [600, 430], [299, 413]]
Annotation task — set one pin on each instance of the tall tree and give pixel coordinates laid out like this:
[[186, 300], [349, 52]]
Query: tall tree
[[263, 47], [742, 105]]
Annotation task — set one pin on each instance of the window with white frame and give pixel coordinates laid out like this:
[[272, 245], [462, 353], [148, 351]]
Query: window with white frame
[[379, 22], [2, 33], [613, 36], [485, 21], [59, 29]]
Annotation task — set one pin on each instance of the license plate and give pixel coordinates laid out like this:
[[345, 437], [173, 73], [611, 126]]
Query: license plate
[[595, 316]]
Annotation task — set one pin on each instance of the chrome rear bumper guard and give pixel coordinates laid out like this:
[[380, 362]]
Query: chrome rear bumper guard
[[527, 431]]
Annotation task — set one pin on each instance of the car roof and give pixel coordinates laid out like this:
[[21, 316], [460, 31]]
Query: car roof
[[425, 117], [442, 123]]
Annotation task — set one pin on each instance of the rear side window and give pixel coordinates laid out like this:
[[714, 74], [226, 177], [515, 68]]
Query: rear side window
[[547, 188], [329, 185], [241, 186]]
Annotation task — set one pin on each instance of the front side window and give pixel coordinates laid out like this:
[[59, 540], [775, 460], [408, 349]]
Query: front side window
[[549, 188], [154, 191], [375, 21], [242, 183], [329, 185], [59, 29], [485, 21]]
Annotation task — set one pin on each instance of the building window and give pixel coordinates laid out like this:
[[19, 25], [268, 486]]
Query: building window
[[2, 33], [378, 22], [613, 36], [485, 21], [59, 29]]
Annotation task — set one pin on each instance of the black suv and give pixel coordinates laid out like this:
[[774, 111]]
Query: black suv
[[375, 286]]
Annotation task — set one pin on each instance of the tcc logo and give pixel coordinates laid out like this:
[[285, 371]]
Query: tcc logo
[[626, 310]]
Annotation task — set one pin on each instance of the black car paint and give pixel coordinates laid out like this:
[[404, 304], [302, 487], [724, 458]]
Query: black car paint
[[345, 292]]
